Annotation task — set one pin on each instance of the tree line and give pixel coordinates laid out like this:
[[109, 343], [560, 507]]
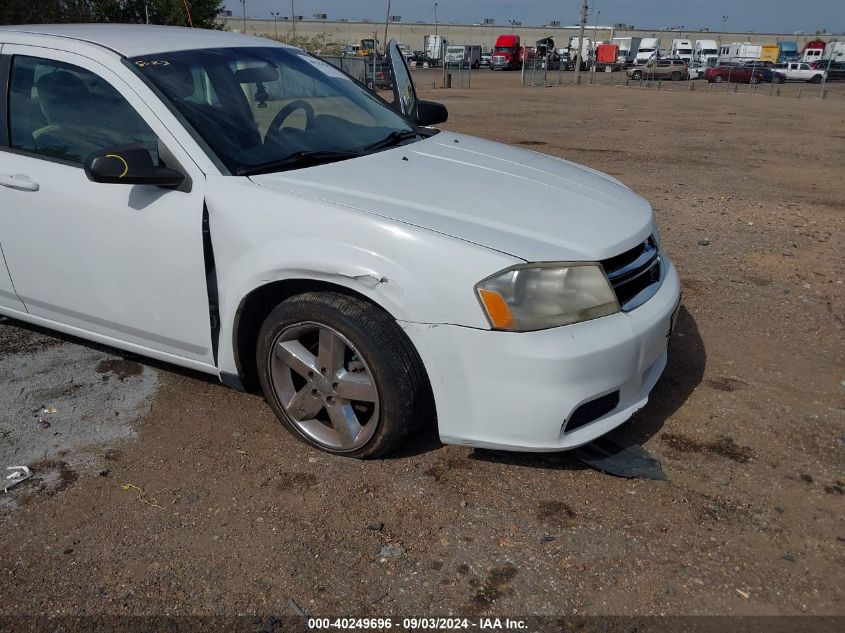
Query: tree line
[[199, 13]]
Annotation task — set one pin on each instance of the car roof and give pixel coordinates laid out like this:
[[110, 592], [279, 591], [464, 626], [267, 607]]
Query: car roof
[[132, 40]]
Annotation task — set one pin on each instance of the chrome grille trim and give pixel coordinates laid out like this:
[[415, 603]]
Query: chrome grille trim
[[636, 274]]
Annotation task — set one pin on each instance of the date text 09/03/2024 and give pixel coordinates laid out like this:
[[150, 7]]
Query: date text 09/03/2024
[[377, 624]]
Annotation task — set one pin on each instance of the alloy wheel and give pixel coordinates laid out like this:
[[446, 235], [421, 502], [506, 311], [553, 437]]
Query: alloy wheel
[[324, 386]]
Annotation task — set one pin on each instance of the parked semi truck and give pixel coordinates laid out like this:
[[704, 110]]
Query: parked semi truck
[[628, 47], [788, 51], [681, 49], [649, 49], [739, 52], [706, 52], [507, 53], [607, 56], [835, 51], [546, 55], [586, 52], [464, 55], [434, 47], [769, 53], [813, 50]]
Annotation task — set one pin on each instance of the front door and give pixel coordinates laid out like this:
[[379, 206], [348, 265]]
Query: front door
[[8, 296], [124, 262]]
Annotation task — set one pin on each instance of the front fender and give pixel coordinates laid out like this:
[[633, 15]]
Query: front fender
[[261, 236]]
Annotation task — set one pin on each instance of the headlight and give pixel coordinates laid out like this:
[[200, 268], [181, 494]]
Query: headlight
[[539, 296]]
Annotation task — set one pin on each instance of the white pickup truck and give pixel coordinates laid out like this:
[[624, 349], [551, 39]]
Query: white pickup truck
[[799, 71]]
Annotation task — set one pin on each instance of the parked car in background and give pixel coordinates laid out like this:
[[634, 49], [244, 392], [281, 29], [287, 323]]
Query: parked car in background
[[734, 74], [835, 70], [672, 69], [696, 70], [768, 75], [800, 71], [236, 206], [485, 59], [383, 77]]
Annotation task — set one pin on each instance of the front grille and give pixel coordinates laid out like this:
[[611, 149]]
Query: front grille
[[592, 411], [635, 274]]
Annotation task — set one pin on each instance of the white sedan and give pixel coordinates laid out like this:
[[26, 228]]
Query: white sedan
[[236, 206]]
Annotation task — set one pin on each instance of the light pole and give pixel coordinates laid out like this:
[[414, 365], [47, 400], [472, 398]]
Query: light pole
[[582, 22], [435, 19], [275, 15], [724, 22], [293, 21], [595, 48], [243, 4], [386, 22]]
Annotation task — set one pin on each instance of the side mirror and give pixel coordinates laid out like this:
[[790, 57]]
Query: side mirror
[[431, 113], [129, 165]]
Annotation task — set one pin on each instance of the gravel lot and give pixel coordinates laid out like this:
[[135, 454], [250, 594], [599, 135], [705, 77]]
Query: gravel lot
[[748, 421]]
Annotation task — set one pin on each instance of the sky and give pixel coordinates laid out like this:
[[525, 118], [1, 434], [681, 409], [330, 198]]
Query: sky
[[781, 16]]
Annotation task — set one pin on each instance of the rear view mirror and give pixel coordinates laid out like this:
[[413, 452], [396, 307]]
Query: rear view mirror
[[129, 165], [259, 74]]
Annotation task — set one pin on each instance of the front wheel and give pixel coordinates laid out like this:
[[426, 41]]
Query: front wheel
[[817, 79], [340, 374], [753, 80], [675, 76], [718, 79], [636, 75]]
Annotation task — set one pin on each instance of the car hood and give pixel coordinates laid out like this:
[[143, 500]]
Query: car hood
[[525, 204]]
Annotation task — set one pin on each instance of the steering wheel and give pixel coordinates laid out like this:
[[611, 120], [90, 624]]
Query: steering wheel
[[284, 113]]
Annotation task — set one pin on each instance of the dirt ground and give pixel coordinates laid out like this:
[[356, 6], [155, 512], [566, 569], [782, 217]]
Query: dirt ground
[[748, 421]]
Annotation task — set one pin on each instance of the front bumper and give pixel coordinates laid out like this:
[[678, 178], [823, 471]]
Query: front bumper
[[517, 391]]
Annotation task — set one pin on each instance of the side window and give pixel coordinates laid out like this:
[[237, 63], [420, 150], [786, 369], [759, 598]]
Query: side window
[[64, 111]]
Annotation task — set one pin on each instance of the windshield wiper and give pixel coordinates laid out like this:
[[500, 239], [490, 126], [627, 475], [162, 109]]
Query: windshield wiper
[[393, 139], [305, 158]]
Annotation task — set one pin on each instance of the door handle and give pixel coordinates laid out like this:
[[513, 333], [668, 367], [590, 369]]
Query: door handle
[[19, 182]]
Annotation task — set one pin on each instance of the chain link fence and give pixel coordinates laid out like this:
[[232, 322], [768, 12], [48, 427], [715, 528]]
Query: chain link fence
[[361, 68], [536, 74]]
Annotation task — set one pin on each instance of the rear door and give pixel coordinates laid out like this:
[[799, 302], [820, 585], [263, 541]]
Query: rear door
[[122, 262], [8, 297]]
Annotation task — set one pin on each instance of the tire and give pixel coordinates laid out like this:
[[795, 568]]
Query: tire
[[636, 75], [365, 350], [718, 79], [675, 76], [753, 80], [816, 79]]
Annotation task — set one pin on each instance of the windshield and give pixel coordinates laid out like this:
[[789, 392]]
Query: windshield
[[503, 49], [255, 107]]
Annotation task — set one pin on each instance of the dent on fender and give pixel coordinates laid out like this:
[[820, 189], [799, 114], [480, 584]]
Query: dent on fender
[[371, 281]]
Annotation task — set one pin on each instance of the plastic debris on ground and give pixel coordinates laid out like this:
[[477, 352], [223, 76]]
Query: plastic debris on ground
[[18, 474], [618, 454]]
